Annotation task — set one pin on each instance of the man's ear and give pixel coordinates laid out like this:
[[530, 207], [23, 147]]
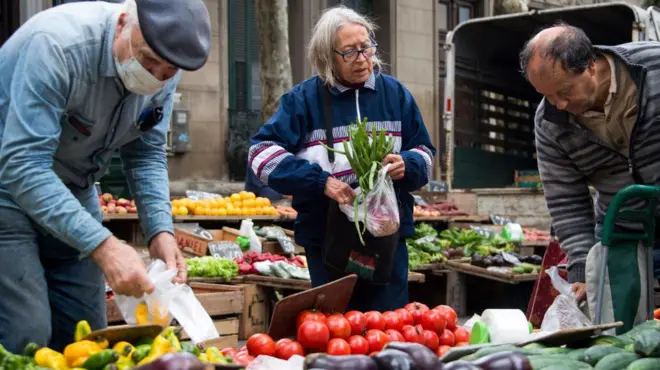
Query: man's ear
[[121, 24], [592, 68]]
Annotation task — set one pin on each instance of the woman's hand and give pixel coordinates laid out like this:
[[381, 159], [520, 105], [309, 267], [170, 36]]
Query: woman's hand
[[398, 167], [339, 191]]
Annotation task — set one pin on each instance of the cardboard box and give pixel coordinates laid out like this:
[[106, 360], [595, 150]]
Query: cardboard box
[[193, 240]]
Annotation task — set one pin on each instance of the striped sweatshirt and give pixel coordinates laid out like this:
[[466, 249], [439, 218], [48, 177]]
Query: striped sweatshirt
[[570, 158], [286, 154]]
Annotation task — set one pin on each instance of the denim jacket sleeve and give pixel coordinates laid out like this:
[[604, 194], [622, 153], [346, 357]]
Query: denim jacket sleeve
[[39, 92], [145, 166]]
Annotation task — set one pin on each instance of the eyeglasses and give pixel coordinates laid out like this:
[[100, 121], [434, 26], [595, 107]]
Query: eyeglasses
[[353, 55]]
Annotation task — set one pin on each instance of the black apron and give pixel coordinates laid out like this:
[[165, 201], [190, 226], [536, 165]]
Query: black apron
[[343, 253]]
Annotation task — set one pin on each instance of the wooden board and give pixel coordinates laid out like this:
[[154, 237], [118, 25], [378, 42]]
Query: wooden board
[[118, 217], [219, 299], [294, 284], [128, 333], [511, 278], [568, 336], [331, 297], [254, 318], [468, 218], [221, 342], [234, 280], [427, 267]]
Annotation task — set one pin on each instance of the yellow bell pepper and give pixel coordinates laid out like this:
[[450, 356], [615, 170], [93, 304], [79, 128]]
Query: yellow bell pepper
[[46, 357], [77, 353], [102, 342], [143, 317], [159, 347], [215, 356], [82, 330], [124, 364], [202, 357], [124, 349]]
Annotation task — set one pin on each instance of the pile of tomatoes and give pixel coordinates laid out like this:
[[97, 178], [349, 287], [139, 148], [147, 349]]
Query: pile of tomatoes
[[364, 333]]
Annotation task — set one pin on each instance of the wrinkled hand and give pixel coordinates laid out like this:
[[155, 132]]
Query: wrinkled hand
[[398, 167], [339, 191], [163, 246], [580, 291], [123, 268]]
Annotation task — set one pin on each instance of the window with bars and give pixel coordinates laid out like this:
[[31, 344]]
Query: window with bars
[[244, 72], [365, 7]]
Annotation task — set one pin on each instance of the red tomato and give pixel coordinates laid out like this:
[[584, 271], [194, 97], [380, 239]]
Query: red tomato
[[412, 335], [374, 320], [431, 339], [392, 321], [282, 342], [338, 347], [359, 345], [231, 352], [450, 315], [461, 334], [442, 350], [447, 338], [358, 322], [243, 360], [394, 335], [405, 317], [309, 315], [261, 344], [313, 335], [417, 311], [339, 327], [461, 344], [377, 339], [419, 328], [288, 349], [435, 321]]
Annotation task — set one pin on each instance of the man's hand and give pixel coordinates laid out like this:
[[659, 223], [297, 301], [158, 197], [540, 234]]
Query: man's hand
[[123, 268], [580, 291], [398, 167], [163, 246], [339, 191]]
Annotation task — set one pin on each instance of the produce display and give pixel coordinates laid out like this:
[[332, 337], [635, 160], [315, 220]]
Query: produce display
[[212, 267], [238, 204], [165, 352], [638, 349], [268, 264], [533, 235], [111, 204], [427, 245], [355, 336], [442, 208]]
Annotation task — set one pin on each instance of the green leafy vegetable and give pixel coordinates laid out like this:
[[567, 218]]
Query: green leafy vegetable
[[209, 266]]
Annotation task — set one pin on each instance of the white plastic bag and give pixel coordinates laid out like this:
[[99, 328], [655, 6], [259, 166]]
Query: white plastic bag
[[271, 363], [380, 207], [168, 301], [564, 312]]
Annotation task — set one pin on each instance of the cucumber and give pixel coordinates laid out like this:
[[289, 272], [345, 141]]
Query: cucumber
[[645, 364], [555, 351], [611, 341], [594, 354], [544, 361], [648, 325], [527, 268], [518, 270], [577, 354], [99, 360], [616, 361], [494, 349], [647, 343]]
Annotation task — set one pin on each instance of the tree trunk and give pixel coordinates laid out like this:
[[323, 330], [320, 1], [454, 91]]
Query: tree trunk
[[274, 60]]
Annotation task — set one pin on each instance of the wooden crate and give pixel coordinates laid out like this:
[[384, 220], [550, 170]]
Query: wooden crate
[[255, 318]]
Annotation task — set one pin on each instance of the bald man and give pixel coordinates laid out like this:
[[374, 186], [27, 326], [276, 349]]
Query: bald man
[[596, 126]]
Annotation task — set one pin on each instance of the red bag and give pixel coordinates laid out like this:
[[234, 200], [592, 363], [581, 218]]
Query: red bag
[[543, 293]]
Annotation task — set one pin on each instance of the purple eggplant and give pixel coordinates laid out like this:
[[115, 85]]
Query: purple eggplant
[[504, 360], [461, 365], [393, 359], [424, 358], [349, 362], [174, 361]]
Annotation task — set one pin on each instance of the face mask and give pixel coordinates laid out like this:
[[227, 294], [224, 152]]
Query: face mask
[[136, 78]]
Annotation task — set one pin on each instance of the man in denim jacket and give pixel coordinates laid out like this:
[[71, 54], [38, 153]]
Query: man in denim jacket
[[78, 82]]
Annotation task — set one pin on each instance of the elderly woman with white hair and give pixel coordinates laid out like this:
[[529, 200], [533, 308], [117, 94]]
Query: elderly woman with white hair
[[80, 82], [287, 154]]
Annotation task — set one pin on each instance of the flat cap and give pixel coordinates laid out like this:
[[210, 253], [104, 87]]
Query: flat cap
[[179, 31]]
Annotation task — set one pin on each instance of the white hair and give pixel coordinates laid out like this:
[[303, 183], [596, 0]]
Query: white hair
[[321, 48], [130, 8]]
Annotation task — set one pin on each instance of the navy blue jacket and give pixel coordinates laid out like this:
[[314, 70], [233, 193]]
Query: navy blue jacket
[[253, 184], [286, 154]]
